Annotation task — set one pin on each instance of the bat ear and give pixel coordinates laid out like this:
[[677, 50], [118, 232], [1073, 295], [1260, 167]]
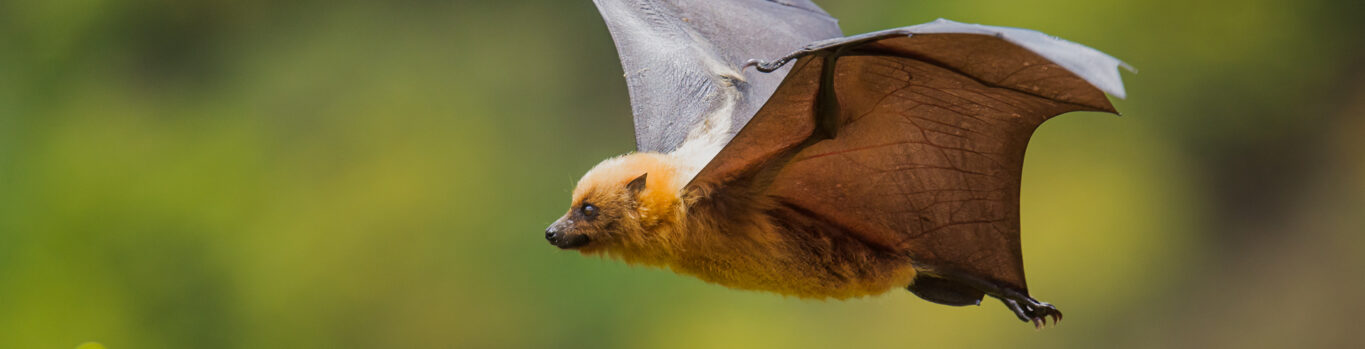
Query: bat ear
[[637, 185]]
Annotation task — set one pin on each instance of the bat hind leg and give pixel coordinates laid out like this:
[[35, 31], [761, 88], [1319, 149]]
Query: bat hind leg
[[957, 289], [944, 291]]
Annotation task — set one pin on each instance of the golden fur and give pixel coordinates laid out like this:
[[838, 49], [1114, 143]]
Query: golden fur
[[752, 243]]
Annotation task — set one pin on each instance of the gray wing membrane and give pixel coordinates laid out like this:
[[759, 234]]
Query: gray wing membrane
[[683, 60]]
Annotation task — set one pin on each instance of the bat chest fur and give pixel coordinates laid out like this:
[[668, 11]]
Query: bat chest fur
[[807, 262]]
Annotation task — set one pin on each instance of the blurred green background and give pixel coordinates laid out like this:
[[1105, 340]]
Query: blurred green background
[[266, 174]]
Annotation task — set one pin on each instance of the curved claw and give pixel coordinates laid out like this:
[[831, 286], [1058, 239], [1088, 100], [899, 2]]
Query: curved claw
[[765, 66], [1033, 311], [1046, 311], [751, 63]]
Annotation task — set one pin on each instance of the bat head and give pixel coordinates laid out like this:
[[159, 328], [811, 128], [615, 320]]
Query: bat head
[[621, 206]]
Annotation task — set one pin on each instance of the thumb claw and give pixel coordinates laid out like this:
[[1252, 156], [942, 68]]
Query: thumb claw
[[764, 66], [750, 63]]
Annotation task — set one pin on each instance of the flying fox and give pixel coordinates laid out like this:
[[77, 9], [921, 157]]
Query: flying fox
[[775, 154]]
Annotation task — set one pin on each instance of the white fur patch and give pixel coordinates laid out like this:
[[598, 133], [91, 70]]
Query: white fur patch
[[706, 139]]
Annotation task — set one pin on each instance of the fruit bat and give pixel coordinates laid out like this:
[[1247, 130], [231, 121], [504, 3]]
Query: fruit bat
[[775, 154]]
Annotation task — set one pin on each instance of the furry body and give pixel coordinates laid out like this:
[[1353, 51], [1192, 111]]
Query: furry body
[[826, 178], [740, 242]]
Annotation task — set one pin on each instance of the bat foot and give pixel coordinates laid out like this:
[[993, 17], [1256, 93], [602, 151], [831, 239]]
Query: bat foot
[[946, 286], [1031, 310]]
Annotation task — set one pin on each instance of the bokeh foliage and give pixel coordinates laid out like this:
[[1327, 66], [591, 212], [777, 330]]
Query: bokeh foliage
[[218, 174]]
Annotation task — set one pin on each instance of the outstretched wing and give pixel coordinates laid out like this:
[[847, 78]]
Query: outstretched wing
[[913, 140], [683, 59]]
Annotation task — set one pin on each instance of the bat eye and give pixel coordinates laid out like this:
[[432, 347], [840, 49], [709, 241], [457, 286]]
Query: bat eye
[[588, 210]]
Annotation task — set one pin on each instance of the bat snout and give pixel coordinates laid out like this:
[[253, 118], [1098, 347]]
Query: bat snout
[[565, 240]]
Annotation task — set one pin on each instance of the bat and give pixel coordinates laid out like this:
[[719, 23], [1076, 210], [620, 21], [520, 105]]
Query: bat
[[775, 154]]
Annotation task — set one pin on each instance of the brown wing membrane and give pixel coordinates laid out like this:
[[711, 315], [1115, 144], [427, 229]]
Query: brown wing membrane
[[927, 150]]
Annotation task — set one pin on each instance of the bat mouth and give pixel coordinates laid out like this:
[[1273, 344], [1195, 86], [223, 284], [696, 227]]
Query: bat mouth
[[567, 241]]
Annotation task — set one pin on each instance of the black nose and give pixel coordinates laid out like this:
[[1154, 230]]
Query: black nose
[[552, 235]]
